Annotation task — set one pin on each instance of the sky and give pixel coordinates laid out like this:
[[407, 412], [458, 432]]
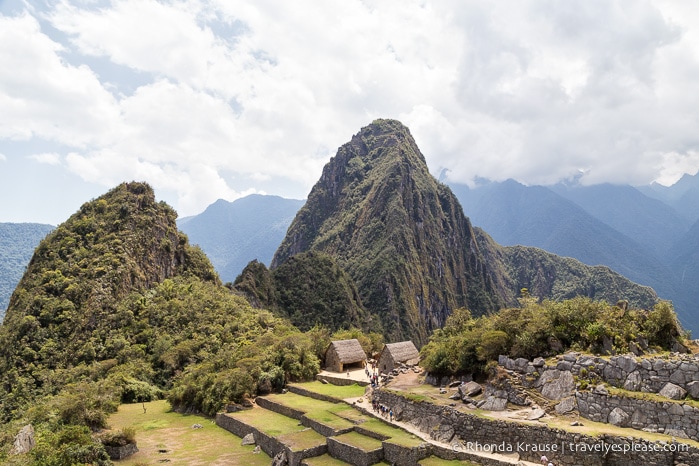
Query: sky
[[218, 99]]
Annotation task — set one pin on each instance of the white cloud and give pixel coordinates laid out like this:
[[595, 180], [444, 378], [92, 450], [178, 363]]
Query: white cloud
[[47, 158], [235, 92], [42, 96]]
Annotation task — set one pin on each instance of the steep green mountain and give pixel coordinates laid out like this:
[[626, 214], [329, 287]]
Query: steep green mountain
[[235, 233], [17, 243], [116, 306], [310, 289], [548, 275], [402, 237]]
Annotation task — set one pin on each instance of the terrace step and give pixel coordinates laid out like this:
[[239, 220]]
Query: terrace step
[[356, 449]]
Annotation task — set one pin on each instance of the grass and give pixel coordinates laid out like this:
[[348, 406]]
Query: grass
[[394, 434], [160, 429], [303, 440], [335, 391], [360, 441], [269, 422], [322, 411]]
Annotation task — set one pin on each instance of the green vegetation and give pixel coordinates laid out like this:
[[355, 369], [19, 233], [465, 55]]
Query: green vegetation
[[117, 307], [310, 289], [339, 392], [466, 344], [359, 441]]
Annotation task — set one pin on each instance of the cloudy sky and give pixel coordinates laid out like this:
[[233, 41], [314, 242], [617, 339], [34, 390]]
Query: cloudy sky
[[209, 99]]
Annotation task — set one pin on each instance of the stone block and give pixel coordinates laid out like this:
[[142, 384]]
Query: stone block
[[619, 417], [672, 391]]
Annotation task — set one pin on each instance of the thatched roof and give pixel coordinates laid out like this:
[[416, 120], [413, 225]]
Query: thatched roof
[[402, 351], [348, 351]]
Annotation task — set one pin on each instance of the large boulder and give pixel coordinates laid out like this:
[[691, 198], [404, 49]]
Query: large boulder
[[470, 389], [556, 385], [672, 391], [493, 403], [619, 417], [693, 389]]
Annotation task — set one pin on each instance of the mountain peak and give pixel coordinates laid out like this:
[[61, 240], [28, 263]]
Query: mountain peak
[[395, 230]]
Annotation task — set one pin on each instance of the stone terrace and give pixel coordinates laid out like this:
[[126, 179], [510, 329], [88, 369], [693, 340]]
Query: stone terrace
[[313, 428]]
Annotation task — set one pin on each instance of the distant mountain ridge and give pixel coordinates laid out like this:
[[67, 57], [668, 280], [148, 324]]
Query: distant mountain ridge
[[639, 236], [235, 233], [17, 243]]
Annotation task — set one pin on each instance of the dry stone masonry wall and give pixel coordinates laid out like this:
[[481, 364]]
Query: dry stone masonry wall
[[463, 430]]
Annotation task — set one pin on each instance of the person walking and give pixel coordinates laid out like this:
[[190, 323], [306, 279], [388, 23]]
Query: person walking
[[390, 413], [544, 460]]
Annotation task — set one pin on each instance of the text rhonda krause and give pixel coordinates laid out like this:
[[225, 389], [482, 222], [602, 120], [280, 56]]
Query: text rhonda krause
[[601, 447]]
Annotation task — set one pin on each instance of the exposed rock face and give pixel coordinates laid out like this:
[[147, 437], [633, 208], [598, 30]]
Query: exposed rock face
[[24, 441]]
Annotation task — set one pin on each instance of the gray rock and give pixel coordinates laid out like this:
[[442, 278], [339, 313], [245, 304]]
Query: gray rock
[[455, 396], [626, 363], [248, 439], [537, 413], [564, 365], [539, 362], [444, 433], [633, 381], [635, 348], [280, 459], [676, 432], [571, 357], [556, 385], [24, 441], [600, 390], [619, 417], [470, 389], [493, 403], [566, 405], [257, 450], [672, 391], [678, 347], [693, 389]]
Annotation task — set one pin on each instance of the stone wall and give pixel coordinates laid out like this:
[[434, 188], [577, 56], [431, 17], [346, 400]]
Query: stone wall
[[671, 418], [530, 440], [121, 452], [268, 444], [279, 408], [404, 456], [648, 374], [318, 396], [353, 455], [338, 380]]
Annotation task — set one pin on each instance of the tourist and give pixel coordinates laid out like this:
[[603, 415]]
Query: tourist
[[390, 413], [544, 460]]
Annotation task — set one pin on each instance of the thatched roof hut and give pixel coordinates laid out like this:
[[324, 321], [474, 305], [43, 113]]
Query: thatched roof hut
[[394, 354], [343, 353]]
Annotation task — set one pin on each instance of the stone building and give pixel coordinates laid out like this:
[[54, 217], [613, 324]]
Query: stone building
[[393, 354], [344, 354]]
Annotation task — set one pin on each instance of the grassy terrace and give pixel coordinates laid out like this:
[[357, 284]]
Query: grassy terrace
[[167, 437], [269, 422], [359, 441], [341, 415], [298, 441], [335, 391]]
